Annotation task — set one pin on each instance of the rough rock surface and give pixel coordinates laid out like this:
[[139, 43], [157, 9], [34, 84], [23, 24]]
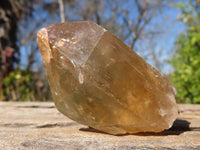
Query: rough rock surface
[[40, 126]]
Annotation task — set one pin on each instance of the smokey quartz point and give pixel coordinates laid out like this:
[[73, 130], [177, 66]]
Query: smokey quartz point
[[100, 82]]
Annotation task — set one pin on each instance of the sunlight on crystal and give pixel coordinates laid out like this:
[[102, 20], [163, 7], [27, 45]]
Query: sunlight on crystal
[[100, 82]]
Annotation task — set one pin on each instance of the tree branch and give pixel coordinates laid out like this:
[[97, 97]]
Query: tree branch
[[62, 10]]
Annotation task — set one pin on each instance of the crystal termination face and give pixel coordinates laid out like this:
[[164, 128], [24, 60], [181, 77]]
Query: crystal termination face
[[100, 82]]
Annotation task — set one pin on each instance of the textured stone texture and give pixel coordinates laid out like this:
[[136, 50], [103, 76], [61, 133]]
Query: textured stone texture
[[98, 81], [41, 126]]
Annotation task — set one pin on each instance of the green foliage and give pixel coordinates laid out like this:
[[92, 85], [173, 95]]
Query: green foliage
[[17, 85], [189, 11], [186, 62], [22, 85]]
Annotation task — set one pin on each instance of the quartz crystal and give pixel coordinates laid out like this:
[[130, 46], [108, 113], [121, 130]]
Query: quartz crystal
[[98, 81]]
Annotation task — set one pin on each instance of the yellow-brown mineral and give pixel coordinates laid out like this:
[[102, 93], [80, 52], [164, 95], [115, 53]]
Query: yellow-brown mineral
[[100, 82]]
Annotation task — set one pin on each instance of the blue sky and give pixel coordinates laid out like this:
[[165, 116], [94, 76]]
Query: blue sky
[[165, 42]]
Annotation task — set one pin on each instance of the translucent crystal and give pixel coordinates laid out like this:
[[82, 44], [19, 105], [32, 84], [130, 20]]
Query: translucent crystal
[[100, 82]]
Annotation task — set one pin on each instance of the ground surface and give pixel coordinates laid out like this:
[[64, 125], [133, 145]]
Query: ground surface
[[41, 126]]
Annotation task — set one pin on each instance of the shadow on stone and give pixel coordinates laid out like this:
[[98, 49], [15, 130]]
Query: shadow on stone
[[21, 125], [57, 125], [90, 129], [179, 126], [16, 125], [36, 106], [195, 129]]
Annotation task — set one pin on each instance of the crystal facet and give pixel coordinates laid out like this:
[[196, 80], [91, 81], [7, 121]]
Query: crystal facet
[[100, 82]]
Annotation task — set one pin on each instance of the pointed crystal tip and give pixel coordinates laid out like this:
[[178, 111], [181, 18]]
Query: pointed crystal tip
[[99, 81]]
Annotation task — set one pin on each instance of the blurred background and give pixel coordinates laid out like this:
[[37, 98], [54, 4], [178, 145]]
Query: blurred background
[[163, 32]]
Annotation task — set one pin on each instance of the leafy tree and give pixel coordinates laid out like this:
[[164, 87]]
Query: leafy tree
[[186, 61], [17, 85], [11, 11], [24, 85]]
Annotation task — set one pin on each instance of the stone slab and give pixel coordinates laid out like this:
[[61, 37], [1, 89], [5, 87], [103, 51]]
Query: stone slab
[[38, 125]]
